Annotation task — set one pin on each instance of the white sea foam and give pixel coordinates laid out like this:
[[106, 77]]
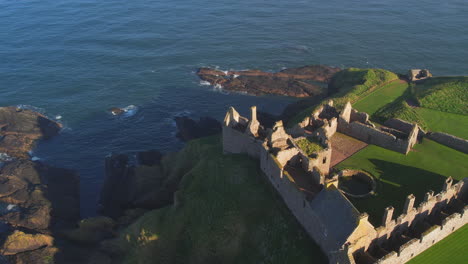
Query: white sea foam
[[205, 83], [218, 87], [58, 117], [5, 157], [225, 72], [10, 207], [130, 110], [34, 158], [235, 76]]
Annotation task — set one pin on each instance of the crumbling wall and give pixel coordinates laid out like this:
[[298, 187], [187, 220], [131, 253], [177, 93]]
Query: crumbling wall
[[451, 141], [416, 246], [359, 116], [373, 135], [410, 217], [399, 124], [235, 141]]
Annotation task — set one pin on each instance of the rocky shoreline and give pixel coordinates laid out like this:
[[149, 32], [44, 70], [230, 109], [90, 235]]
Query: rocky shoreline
[[295, 82]]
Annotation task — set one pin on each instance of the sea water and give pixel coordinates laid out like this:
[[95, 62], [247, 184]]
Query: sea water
[[75, 59]]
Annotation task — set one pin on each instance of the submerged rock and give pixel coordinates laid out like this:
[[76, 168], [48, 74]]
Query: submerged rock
[[295, 82], [189, 129]]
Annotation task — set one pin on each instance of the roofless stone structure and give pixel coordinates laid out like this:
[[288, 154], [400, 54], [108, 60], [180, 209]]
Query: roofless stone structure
[[302, 178]]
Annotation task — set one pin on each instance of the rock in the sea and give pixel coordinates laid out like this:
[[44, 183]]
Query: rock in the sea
[[20, 128], [44, 196], [189, 129], [117, 190], [295, 82], [21, 242], [116, 111]]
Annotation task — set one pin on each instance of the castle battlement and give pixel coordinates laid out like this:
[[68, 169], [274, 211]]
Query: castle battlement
[[301, 177]]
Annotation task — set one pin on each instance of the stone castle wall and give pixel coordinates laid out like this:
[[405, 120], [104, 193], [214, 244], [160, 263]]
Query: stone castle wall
[[306, 214], [451, 141], [357, 125], [352, 233], [416, 246], [235, 141]]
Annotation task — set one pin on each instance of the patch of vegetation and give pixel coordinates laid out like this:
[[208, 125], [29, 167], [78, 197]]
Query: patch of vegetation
[[350, 85], [309, 145], [381, 97], [438, 121], [451, 249], [446, 94], [423, 169], [224, 212], [400, 109]]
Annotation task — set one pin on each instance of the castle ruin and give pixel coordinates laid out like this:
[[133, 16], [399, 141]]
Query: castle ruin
[[304, 181]]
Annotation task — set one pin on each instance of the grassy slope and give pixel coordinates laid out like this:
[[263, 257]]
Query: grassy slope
[[381, 97], [452, 250], [423, 169], [438, 121], [226, 213], [443, 106], [446, 94], [351, 85]]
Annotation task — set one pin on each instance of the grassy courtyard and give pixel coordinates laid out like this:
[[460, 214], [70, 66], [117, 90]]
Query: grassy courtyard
[[452, 250], [423, 169], [381, 97], [438, 121]]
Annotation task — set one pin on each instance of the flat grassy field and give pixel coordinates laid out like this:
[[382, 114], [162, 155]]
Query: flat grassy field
[[226, 212], [452, 249], [424, 168], [381, 97], [438, 121]]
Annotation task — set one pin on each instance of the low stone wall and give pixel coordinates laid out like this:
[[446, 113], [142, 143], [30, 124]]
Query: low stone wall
[[373, 135], [451, 141], [416, 246], [399, 124]]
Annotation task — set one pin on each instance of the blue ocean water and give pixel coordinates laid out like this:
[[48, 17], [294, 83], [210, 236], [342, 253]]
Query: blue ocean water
[[77, 58]]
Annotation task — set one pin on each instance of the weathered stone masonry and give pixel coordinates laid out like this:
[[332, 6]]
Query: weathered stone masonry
[[304, 183]]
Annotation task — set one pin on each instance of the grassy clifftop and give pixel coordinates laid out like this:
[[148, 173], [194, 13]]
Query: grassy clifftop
[[350, 85], [225, 212]]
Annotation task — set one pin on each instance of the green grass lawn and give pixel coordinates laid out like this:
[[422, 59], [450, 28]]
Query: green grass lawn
[[438, 121], [381, 97], [452, 249], [226, 212], [447, 94], [423, 169]]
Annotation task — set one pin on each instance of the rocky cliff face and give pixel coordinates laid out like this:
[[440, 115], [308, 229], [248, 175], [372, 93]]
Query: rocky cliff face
[[295, 82], [37, 201], [21, 128]]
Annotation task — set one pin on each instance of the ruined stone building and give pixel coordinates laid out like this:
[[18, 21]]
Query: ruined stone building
[[304, 181]]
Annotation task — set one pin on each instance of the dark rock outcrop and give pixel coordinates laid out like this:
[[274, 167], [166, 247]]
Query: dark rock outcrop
[[117, 190], [20, 128], [149, 157], [189, 129], [44, 197], [295, 82]]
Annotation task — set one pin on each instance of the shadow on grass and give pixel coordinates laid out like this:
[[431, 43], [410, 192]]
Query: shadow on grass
[[394, 183]]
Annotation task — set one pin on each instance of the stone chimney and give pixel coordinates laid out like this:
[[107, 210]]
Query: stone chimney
[[253, 111], [409, 204], [448, 183], [387, 217]]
